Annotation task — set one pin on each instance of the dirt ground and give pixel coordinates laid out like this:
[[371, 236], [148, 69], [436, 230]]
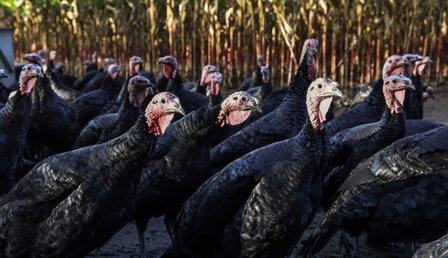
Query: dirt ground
[[125, 243]]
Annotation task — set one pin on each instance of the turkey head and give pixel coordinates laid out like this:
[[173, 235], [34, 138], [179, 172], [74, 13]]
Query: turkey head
[[236, 108], [28, 78], [308, 59], [169, 66], [135, 64], [215, 79], [139, 88], [395, 64], [205, 71], [421, 64], [33, 58], [318, 100], [113, 70], [160, 111], [394, 91]]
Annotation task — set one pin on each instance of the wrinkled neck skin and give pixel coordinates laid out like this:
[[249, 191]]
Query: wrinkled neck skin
[[157, 122], [316, 117], [394, 113], [229, 116]]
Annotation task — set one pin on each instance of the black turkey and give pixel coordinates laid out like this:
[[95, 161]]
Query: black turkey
[[278, 187], [14, 122], [182, 165], [283, 123], [42, 191]]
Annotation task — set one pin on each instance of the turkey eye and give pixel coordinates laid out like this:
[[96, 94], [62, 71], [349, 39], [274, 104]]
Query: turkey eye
[[235, 98], [390, 61], [28, 68], [163, 101], [394, 81], [319, 86], [387, 83], [312, 88], [243, 99]]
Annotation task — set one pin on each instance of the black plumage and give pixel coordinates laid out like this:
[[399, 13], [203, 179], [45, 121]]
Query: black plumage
[[350, 146], [283, 123], [89, 105], [180, 163], [278, 185], [43, 191], [105, 127], [14, 122], [397, 195], [63, 91], [372, 108], [54, 121]]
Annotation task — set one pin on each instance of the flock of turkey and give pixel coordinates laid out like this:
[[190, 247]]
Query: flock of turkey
[[241, 176]]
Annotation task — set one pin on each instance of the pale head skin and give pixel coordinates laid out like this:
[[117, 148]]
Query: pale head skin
[[214, 79], [394, 91], [28, 77], [236, 108], [113, 70], [205, 71], [135, 63], [394, 64], [139, 87], [169, 66], [319, 96], [160, 111]]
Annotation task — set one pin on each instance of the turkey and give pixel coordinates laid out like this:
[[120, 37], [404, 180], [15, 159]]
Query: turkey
[[214, 80], [283, 123], [264, 88], [278, 187], [256, 80], [63, 91], [397, 195], [14, 122], [89, 105], [372, 108], [96, 82], [413, 104], [172, 82], [82, 183], [168, 181], [135, 68], [98, 210], [106, 127], [201, 86], [54, 123], [352, 145], [90, 71]]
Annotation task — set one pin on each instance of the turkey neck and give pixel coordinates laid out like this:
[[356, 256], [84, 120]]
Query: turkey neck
[[15, 117], [42, 92], [174, 85], [393, 119], [127, 114], [108, 85], [315, 142], [266, 89], [294, 105], [193, 125], [121, 150]]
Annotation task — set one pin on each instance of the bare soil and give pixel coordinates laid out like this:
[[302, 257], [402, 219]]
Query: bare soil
[[125, 242]]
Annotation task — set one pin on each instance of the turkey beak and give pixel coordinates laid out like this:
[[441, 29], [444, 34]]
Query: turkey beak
[[333, 92], [254, 106], [408, 84], [175, 107]]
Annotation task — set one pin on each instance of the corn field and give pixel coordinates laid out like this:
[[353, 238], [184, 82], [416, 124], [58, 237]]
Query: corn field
[[355, 36]]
